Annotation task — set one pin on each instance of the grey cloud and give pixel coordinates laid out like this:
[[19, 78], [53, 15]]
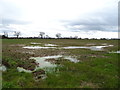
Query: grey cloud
[[10, 13], [95, 25], [6, 30], [93, 28], [9, 10], [105, 20], [12, 21], [4, 25]]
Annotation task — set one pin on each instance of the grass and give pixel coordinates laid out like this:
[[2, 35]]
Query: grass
[[96, 69], [14, 79], [98, 72]]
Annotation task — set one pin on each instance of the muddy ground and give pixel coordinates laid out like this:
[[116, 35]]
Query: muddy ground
[[14, 55]]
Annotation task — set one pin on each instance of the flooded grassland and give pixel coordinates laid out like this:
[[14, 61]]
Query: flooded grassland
[[59, 63]]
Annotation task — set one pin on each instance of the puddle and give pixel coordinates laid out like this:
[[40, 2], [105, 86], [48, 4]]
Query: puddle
[[118, 52], [29, 52], [20, 69], [105, 44], [55, 57], [115, 52], [37, 47], [34, 43], [71, 59], [47, 65], [47, 46], [110, 45], [43, 63], [50, 45], [3, 68], [96, 48], [74, 47]]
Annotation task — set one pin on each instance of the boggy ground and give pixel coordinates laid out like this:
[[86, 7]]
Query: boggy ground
[[96, 69]]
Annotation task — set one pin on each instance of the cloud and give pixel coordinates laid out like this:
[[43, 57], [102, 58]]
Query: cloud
[[11, 14], [105, 20], [68, 17], [9, 25], [12, 21], [9, 10]]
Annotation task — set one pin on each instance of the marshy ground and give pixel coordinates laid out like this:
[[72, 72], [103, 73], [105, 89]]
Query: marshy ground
[[71, 67]]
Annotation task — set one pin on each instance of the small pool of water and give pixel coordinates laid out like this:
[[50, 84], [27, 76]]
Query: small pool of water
[[46, 65], [3, 68], [34, 43], [115, 52], [28, 52], [20, 69], [96, 48], [47, 46], [118, 52], [74, 47], [50, 45], [110, 45], [37, 47], [43, 63], [71, 59]]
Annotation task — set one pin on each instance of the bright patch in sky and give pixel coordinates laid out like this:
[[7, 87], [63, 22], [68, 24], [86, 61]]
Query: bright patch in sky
[[82, 18]]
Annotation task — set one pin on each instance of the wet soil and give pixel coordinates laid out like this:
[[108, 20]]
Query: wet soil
[[23, 54]]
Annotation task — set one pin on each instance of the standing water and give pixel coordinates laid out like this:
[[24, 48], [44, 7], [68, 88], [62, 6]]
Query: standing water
[[43, 63], [2, 68]]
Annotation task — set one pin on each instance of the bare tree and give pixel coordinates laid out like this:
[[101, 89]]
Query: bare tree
[[17, 33], [76, 37], [5, 34], [41, 34], [58, 35], [47, 36]]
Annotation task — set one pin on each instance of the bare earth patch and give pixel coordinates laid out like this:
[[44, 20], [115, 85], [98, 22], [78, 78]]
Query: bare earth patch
[[19, 45], [88, 85]]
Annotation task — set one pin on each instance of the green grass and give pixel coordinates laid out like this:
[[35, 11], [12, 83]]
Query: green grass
[[14, 79], [100, 71]]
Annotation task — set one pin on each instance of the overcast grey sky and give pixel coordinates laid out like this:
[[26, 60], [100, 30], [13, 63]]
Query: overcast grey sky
[[83, 18]]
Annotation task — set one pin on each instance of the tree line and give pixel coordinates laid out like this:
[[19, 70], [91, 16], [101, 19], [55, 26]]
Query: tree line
[[42, 35]]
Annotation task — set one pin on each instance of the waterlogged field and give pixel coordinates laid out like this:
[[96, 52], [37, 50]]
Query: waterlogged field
[[59, 63]]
